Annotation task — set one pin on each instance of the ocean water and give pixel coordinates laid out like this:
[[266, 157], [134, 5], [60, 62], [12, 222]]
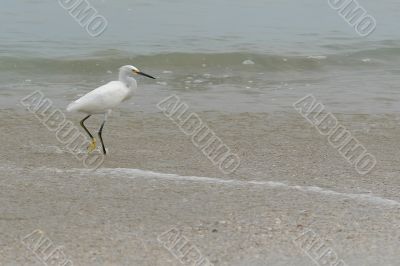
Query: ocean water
[[231, 56]]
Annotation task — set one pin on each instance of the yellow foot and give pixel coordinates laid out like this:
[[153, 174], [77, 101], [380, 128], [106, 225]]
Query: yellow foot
[[92, 146]]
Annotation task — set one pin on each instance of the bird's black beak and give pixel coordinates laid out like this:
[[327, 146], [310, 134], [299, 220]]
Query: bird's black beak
[[146, 75]]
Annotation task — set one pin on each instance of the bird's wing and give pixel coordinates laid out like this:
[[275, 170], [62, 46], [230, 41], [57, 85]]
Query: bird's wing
[[101, 99]]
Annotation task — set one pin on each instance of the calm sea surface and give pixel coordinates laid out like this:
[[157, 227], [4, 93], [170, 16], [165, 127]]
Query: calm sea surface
[[246, 56]]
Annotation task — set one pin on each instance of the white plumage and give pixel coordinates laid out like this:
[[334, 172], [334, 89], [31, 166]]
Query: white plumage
[[105, 98]]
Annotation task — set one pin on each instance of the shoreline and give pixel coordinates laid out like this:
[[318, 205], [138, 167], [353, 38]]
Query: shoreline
[[290, 182]]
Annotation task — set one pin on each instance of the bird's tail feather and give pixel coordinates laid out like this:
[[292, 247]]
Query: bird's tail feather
[[71, 107]]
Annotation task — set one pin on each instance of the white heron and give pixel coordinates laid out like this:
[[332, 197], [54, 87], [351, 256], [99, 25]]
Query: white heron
[[103, 99]]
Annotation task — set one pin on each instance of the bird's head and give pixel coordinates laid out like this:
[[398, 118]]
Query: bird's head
[[131, 69]]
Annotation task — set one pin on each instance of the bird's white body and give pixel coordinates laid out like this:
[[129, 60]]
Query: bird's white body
[[106, 97]]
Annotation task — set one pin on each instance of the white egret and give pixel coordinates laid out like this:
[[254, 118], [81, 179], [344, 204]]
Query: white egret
[[103, 99]]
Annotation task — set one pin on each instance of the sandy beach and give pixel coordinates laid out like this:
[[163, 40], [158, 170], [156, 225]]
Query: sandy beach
[[280, 189], [290, 182]]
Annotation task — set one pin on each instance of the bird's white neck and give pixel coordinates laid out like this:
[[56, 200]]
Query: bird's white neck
[[126, 79]]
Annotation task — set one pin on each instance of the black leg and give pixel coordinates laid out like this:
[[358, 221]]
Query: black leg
[[101, 139], [83, 125]]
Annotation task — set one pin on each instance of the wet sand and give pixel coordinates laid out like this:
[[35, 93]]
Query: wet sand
[[290, 181]]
